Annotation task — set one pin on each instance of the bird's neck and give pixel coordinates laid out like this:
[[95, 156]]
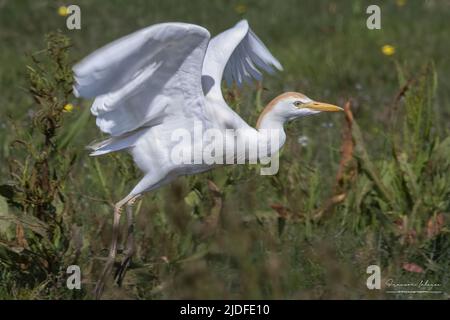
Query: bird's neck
[[269, 123], [269, 119]]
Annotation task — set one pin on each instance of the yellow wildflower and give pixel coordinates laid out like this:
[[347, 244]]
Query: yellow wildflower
[[240, 8], [62, 11], [400, 3], [388, 50], [68, 107]]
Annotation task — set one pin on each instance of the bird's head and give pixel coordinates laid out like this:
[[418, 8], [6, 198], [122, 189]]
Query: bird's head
[[293, 105]]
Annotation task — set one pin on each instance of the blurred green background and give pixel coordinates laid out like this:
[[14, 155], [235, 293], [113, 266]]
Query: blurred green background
[[269, 237]]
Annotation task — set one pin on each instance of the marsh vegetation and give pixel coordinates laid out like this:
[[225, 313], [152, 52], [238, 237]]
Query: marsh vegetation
[[369, 187]]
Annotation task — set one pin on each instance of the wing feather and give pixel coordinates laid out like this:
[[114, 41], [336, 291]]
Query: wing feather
[[236, 54], [140, 78]]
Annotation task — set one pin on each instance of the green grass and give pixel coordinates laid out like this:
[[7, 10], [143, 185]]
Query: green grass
[[396, 182]]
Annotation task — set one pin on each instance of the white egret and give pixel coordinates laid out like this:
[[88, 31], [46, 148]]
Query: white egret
[[168, 76]]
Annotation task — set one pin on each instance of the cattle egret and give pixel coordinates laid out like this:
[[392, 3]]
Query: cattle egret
[[167, 77]]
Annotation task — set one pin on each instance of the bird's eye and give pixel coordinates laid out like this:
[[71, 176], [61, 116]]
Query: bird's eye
[[298, 103]]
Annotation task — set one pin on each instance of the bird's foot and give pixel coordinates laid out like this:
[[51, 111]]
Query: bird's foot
[[100, 285], [122, 269]]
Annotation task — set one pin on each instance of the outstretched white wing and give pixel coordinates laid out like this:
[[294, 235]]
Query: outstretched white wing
[[235, 54], [141, 78]]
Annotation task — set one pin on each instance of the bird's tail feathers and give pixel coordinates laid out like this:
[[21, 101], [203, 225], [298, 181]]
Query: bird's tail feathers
[[102, 147], [113, 144]]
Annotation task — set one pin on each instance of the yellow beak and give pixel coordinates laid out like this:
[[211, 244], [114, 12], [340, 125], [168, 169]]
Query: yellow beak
[[320, 106]]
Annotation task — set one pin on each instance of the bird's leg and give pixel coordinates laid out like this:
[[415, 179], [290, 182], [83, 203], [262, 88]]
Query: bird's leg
[[129, 250], [112, 249]]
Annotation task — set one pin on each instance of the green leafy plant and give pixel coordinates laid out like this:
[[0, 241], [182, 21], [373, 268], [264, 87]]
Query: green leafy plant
[[37, 252], [405, 197]]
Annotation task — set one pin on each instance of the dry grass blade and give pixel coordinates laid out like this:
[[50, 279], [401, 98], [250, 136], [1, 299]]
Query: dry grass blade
[[435, 225], [367, 165], [347, 168]]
